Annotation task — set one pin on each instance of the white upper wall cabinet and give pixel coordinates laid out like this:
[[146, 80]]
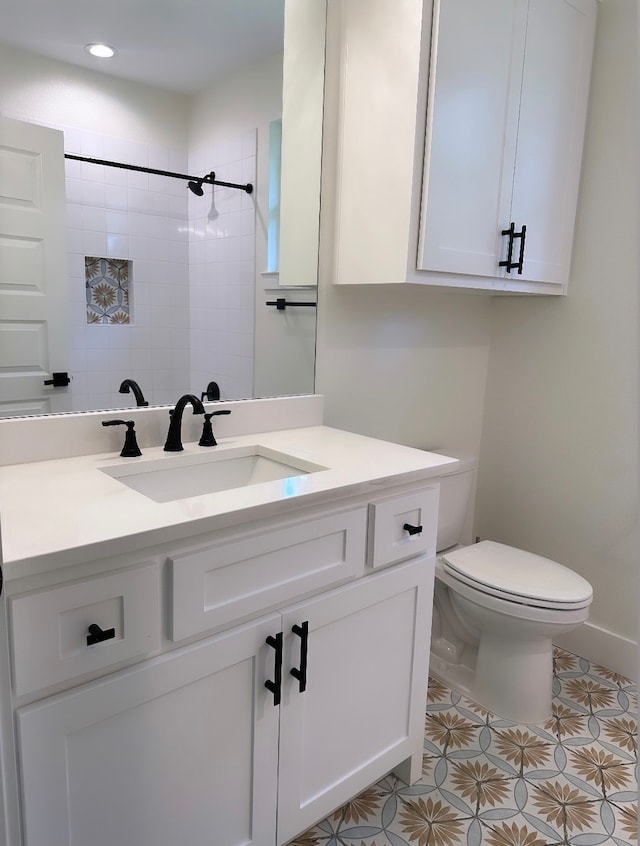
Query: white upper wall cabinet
[[508, 93], [491, 129]]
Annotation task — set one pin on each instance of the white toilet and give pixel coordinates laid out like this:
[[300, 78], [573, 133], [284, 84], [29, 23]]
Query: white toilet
[[496, 612]]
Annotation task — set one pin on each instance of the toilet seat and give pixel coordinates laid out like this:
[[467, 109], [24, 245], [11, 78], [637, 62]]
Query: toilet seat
[[516, 576]]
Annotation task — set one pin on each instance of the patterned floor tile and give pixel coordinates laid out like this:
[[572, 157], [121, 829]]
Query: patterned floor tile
[[487, 781], [446, 730], [607, 772]]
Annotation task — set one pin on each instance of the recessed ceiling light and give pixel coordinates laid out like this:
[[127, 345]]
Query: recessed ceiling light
[[102, 51]]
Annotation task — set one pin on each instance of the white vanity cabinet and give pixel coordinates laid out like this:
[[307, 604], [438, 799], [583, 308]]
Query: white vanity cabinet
[[179, 749], [479, 125], [299, 680]]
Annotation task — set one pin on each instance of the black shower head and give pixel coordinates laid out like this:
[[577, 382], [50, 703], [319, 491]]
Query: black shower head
[[196, 187]]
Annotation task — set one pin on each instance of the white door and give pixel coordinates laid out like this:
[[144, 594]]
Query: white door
[[362, 711], [555, 88], [472, 122], [179, 750], [33, 269]]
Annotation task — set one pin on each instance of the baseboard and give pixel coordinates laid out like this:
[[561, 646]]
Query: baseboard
[[609, 649]]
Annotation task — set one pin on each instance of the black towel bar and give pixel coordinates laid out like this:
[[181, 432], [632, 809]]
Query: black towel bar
[[281, 303]]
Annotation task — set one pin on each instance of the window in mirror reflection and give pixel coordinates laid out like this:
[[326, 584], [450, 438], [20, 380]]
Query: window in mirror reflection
[[273, 226]]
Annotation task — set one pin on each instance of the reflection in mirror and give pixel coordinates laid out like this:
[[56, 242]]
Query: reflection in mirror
[[130, 275]]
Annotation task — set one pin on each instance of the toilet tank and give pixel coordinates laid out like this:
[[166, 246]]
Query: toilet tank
[[455, 501]]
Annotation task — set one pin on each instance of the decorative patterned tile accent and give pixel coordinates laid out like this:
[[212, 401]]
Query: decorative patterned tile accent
[[487, 781], [107, 290]]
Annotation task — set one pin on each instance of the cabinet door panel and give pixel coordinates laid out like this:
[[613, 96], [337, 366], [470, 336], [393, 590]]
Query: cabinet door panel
[[474, 90], [555, 88], [180, 750], [363, 710]]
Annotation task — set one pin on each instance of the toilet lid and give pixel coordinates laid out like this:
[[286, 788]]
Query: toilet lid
[[518, 575]]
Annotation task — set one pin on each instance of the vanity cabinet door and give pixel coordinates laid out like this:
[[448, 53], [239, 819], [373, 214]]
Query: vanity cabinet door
[[363, 707], [182, 749]]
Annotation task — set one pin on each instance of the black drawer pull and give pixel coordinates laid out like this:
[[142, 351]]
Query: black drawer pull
[[301, 674], [275, 686], [413, 530], [97, 635]]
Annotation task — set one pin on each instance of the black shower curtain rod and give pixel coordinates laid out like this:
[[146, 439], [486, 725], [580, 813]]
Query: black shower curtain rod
[[209, 179]]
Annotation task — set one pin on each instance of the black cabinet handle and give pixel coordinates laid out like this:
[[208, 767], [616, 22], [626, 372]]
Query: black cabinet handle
[[97, 635], [522, 236], [413, 530], [509, 264], [275, 686], [511, 233], [301, 673]]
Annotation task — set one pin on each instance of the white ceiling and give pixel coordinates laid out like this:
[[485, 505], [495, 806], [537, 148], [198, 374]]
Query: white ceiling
[[179, 45]]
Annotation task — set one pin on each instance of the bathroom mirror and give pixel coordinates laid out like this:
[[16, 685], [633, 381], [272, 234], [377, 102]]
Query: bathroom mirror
[[196, 270]]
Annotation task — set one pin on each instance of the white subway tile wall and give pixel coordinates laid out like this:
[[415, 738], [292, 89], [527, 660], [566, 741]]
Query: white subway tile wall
[[143, 218], [222, 267]]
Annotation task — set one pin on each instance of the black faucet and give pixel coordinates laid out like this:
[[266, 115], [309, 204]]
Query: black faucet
[[131, 385], [174, 438]]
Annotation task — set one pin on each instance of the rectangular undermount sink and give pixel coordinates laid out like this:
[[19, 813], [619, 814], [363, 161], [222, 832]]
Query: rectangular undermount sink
[[183, 476]]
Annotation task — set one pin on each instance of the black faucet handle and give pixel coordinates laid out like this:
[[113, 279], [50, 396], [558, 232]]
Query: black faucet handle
[[130, 448], [208, 438]]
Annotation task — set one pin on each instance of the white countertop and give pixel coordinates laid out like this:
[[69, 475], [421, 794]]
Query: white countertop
[[65, 511]]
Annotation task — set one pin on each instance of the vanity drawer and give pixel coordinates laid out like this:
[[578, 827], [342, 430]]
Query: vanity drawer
[[389, 541], [222, 583], [49, 629]]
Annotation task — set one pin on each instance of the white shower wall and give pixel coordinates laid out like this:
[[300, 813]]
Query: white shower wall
[[115, 213], [222, 267]]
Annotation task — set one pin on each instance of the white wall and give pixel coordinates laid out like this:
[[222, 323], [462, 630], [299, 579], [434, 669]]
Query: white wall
[[559, 459], [44, 90], [404, 364]]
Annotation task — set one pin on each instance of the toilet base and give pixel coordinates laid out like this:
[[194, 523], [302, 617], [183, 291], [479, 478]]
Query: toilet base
[[513, 681], [514, 678]]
